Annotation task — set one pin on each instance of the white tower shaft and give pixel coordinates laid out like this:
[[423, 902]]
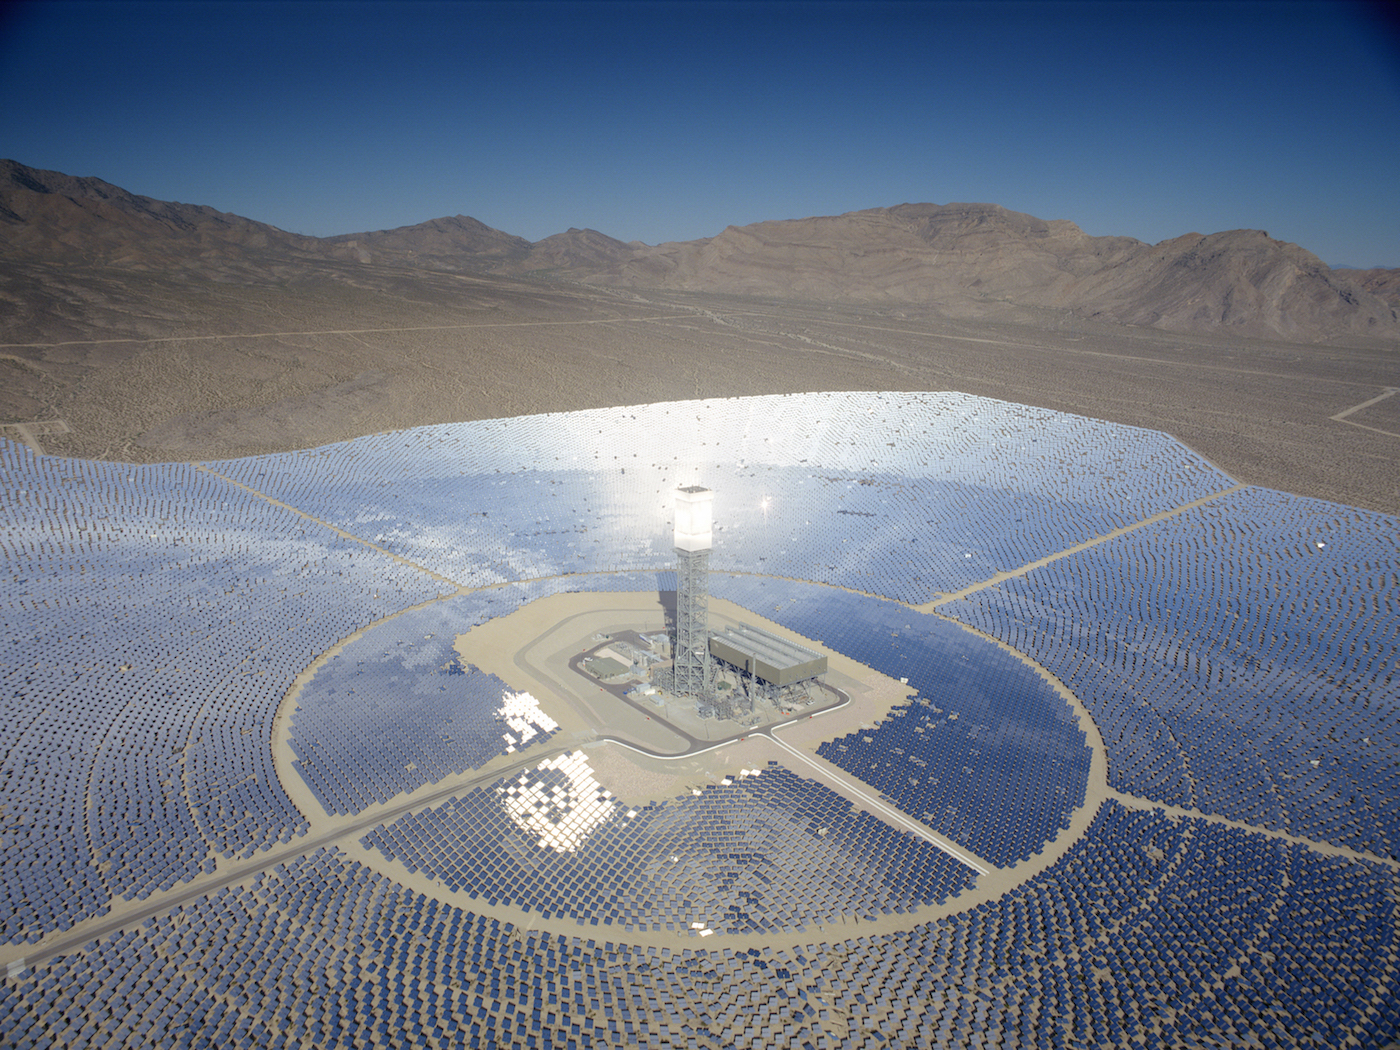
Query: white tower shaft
[[693, 542]]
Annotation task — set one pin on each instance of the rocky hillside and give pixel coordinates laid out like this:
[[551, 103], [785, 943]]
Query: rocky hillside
[[961, 259], [1384, 283], [581, 253], [47, 216], [958, 256], [456, 243]]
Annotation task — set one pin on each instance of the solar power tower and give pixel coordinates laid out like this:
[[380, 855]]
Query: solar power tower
[[694, 536]]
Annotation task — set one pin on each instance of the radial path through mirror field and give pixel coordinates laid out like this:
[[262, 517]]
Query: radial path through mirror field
[[1115, 765]]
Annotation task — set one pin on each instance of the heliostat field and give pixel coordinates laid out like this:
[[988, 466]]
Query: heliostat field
[[253, 796]]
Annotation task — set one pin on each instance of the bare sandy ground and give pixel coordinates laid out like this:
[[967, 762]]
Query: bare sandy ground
[[155, 370]]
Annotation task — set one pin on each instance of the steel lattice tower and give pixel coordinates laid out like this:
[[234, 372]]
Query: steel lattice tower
[[693, 542]]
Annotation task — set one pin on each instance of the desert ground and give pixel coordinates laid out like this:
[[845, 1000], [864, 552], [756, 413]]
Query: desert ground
[[145, 367]]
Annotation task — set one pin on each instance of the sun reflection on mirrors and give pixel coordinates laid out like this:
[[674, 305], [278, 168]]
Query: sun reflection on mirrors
[[560, 801], [523, 714]]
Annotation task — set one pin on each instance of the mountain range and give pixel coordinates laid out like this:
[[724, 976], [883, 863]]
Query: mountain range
[[960, 260]]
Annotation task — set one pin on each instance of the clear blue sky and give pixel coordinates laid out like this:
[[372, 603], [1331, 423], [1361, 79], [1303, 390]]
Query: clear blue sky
[[668, 121]]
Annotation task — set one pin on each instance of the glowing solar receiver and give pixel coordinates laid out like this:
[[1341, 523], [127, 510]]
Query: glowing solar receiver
[[694, 518]]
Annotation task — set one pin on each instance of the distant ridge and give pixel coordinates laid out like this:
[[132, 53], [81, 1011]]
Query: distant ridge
[[967, 260], [455, 243], [47, 216], [580, 252]]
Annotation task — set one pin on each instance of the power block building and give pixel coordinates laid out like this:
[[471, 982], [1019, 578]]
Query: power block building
[[767, 665]]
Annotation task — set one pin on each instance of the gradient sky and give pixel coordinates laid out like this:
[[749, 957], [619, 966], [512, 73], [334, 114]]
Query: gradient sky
[[669, 121]]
